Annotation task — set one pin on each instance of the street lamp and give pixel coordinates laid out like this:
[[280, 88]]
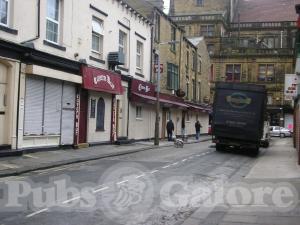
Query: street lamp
[[156, 132]]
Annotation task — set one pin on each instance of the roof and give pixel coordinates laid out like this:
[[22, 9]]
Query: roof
[[196, 40], [266, 10]]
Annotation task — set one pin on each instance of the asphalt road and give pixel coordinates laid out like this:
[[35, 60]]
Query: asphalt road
[[160, 186]]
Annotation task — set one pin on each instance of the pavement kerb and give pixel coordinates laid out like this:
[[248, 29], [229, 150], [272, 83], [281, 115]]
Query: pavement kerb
[[20, 171]]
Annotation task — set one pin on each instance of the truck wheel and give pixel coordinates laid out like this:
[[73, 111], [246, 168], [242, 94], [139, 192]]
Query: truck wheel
[[255, 151], [219, 147]]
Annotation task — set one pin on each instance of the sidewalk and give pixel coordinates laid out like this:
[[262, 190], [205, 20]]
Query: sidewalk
[[277, 165], [12, 166]]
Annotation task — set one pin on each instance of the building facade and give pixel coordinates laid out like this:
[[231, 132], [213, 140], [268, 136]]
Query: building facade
[[248, 41]]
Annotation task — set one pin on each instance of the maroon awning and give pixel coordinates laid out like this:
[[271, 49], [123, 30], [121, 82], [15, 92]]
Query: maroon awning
[[136, 97], [97, 79], [199, 108]]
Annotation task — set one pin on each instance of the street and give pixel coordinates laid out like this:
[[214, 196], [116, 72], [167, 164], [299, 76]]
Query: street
[[160, 186]]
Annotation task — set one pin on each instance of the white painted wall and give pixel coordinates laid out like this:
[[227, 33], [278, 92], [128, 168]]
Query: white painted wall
[[99, 136], [76, 30]]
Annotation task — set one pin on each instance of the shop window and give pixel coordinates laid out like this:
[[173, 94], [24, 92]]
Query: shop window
[[97, 37], [4, 5], [100, 115], [52, 26], [233, 72], [266, 72], [139, 56], [139, 112], [188, 117], [173, 77]]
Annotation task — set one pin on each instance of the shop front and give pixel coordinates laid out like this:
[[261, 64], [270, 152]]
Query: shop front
[[142, 110], [49, 107], [97, 117]]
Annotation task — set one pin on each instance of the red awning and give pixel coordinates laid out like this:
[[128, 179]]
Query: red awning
[[136, 97], [101, 80]]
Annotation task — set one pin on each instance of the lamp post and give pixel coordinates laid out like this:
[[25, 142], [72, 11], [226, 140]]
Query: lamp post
[[156, 132]]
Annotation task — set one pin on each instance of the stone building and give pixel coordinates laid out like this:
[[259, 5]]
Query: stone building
[[248, 41], [185, 69]]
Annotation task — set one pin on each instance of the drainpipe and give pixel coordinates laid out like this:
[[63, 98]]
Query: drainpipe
[[18, 107], [38, 24]]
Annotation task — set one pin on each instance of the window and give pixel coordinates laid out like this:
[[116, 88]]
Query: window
[[187, 90], [173, 38], [207, 30], [200, 2], [139, 56], [194, 62], [199, 91], [52, 29], [188, 117], [100, 115], [266, 72], [157, 28], [187, 59], [233, 72], [194, 90], [172, 77], [200, 66], [139, 112], [4, 12], [97, 36], [168, 115], [123, 44], [210, 49]]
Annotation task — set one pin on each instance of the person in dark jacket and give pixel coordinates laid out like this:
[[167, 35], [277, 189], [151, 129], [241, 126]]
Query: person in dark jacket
[[170, 129], [198, 127]]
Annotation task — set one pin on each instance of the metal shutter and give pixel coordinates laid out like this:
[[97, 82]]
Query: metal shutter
[[34, 98], [68, 114], [52, 110]]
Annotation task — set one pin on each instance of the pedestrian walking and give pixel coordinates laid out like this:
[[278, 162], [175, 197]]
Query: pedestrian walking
[[198, 128], [170, 129]]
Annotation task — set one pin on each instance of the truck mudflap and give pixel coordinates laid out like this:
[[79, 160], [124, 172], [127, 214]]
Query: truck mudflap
[[223, 144]]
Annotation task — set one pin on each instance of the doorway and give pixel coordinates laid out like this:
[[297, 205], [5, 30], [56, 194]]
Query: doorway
[[84, 102], [3, 105]]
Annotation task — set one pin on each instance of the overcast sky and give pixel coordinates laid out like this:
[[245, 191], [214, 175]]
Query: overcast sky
[[167, 5]]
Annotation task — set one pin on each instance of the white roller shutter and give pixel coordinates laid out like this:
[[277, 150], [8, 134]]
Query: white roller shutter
[[34, 98], [68, 114], [52, 110]]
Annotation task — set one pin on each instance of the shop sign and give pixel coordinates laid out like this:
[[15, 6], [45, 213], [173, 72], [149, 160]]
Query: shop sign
[[101, 80], [142, 87], [291, 86]]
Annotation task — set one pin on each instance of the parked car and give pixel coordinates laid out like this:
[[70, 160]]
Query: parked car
[[276, 131], [265, 141]]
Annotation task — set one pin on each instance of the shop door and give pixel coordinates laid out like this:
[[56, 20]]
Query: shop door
[[3, 104], [84, 102], [164, 124], [68, 114]]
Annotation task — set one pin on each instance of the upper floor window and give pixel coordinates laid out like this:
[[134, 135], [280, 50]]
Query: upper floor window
[[173, 38], [4, 12], [207, 30], [123, 45], [233, 72], [139, 56], [194, 68], [157, 28], [266, 72], [97, 36], [172, 77], [200, 2], [52, 29]]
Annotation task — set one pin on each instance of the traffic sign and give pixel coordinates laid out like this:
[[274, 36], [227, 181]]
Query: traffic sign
[[161, 68]]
